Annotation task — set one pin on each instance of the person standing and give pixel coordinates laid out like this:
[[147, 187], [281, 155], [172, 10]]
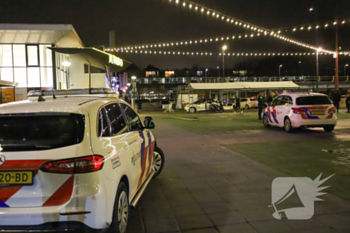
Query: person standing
[[348, 103], [260, 105], [238, 103], [336, 100]]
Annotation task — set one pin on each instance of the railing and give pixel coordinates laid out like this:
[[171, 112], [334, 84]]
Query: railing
[[296, 79]]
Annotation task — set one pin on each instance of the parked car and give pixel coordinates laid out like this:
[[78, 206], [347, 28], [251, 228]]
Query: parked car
[[297, 110], [73, 163], [247, 103], [201, 105]]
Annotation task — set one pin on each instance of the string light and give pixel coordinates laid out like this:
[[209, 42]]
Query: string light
[[256, 54], [246, 24]]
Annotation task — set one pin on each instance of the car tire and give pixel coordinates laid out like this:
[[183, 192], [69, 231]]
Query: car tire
[[121, 210], [288, 125], [158, 161], [266, 121], [192, 110], [329, 128], [246, 107]]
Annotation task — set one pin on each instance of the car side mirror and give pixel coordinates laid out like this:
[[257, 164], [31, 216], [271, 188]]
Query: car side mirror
[[149, 124]]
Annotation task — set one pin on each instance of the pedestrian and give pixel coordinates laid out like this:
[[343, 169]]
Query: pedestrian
[[260, 105], [348, 103], [238, 103], [270, 98], [139, 104], [336, 100]]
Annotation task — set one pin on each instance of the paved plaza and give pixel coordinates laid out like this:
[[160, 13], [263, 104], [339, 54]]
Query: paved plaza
[[206, 187]]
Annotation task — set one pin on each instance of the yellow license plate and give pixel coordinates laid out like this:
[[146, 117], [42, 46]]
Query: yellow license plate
[[16, 178], [318, 112]]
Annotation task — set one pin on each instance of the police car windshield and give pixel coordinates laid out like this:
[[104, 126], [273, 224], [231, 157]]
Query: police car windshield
[[40, 132], [313, 100]]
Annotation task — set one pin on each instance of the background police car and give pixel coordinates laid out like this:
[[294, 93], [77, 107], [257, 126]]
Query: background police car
[[87, 159], [296, 110]]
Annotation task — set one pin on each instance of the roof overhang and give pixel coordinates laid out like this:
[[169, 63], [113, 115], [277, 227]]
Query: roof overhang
[[243, 86], [96, 57], [62, 35]]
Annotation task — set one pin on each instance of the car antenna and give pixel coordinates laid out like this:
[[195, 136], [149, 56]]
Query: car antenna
[[53, 93], [41, 98]]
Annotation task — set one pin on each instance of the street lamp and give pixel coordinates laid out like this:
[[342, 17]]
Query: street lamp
[[279, 70], [346, 65], [301, 68], [134, 91], [223, 60], [206, 77], [317, 71]]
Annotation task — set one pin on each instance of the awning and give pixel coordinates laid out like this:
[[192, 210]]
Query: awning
[[8, 84], [96, 56], [243, 86]]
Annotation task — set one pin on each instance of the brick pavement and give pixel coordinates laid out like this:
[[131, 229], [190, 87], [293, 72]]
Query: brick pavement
[[207, 188]]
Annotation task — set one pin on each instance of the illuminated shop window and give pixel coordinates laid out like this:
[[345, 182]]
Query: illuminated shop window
[[32, 55], [169, 74]]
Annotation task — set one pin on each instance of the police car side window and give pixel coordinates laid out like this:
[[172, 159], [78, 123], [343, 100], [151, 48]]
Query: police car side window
[[103, 124], [132, 117], [277, 101], [287, 100], [116, 119]]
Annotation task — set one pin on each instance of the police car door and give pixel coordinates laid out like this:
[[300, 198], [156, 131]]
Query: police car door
[[272, 111], [284, 109], [142, 149]]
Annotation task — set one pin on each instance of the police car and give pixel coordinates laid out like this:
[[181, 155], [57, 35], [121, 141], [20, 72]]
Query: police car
[[73, 160], [295, 110]]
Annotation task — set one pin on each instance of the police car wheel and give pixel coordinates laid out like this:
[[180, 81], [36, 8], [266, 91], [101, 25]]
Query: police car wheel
[[121, 210], [192, 110], [158, 161], [329, 128], [288, 125], [266, 121]]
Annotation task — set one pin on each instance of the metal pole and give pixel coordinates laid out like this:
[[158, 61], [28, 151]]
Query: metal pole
[[336, 60], [279, 71], [317, 71], [223, 65]]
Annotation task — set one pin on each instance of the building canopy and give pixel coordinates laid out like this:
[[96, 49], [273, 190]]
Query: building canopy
[[237, 86], [97, 57]]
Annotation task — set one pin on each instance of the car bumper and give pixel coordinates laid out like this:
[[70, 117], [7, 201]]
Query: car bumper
[[297, 122], [87, 206]]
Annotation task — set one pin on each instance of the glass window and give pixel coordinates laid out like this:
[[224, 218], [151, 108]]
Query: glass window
[[277, 101], [287, 100], [116, 119], [46, 77], [169, 74], [45, 55], [19, 55], [103, 125], [6, 55], [132, 117], [21, 77], [32, 55], [33, 77], [6, 74], [40, 132], [313, 100]]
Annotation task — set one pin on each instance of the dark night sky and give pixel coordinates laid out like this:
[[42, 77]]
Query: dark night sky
[[152, 21]]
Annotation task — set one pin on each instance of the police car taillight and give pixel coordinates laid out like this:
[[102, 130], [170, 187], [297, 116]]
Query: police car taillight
[[332, 110], [74, 166], [298, 111]]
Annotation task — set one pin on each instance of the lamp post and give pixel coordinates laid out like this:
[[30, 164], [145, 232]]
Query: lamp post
[[134, 91], [223, 60], [317, 67], [218, 72], [346, 65], [279, 70], [301, 68], [206, 77]]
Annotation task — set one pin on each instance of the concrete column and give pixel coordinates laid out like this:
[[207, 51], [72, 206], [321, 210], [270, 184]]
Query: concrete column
[[221, 95]]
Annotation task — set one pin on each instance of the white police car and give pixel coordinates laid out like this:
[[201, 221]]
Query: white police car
[[295, 110], [71, 163]]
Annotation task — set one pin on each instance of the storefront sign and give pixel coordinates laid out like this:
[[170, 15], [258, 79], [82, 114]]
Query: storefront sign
[[115, 60]]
